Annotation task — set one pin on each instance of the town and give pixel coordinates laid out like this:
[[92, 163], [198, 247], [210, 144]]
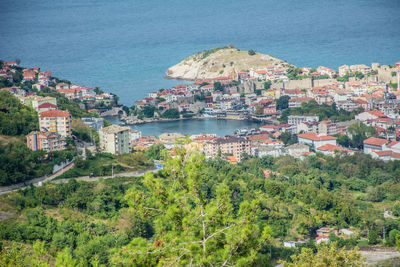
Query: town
[[364, 101], [302, 112]]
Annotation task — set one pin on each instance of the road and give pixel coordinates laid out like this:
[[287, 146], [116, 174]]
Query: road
[[36, 182], [96, 178], [50, 179]]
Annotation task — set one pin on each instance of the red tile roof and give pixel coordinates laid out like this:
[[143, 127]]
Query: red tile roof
[[315, 137], [47, 105], [375, 141], [55, 113], [329, 147]]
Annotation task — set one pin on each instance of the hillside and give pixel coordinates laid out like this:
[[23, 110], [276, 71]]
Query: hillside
[[220, 61]]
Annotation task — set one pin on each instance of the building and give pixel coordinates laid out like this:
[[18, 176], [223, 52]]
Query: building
[[56, 121], [115, 139], [228, 145], [134, 135], [324, 233], [297, 119], [315, 140], [297, 101], [47, 141], [306, 127], [297, 150], [92, 122], [374, 144], [329, 149], [327, 128]]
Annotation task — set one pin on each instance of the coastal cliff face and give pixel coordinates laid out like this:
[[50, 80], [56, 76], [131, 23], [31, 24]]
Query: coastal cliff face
[[219, 62]]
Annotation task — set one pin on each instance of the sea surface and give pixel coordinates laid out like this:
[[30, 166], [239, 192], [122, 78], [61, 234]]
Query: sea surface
[[126, 46], [220, 127]]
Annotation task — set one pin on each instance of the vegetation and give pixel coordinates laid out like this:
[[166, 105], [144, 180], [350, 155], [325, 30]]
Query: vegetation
[[324, 112], [267, 85], [172, 113], [327, 255], [18, 163], [282, 102], [202, 55], [206, 212], [251, 52], [16, 118], [356, 134]]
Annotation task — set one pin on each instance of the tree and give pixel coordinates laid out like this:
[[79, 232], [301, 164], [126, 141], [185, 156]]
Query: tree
[[172, 113], [282, 102], [155, 151], [189, 226], [251, 52], [218, 87], [267, 85], [16, 118], [327, 255], [148, 111]]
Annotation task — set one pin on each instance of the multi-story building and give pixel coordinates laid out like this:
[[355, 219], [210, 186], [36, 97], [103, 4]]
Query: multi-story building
[[297, 119], [56, 121], [115, 139], [92, 122], [228, 145], [47, 141], [327, 128]]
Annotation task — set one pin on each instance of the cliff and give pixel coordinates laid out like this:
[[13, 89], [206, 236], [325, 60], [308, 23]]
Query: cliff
[[220, 61]]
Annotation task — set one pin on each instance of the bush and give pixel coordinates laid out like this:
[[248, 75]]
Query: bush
[[251, 52]]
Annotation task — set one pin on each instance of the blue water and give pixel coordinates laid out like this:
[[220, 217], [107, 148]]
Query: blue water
[[220, 127], [125, 46]]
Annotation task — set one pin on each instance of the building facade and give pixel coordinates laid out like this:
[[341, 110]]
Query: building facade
[[47, 141], [115, 139], [56, 121]]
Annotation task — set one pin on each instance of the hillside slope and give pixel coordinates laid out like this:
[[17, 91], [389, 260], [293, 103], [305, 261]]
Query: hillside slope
[[220, 61]]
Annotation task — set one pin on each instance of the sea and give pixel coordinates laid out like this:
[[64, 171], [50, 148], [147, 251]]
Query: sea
[[126, 46]]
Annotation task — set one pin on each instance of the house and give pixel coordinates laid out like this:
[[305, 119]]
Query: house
[[163, 105], [370, 115], [48, 141], [374, 144], [297, 150], [184, 106], [115, 139], [56, 121], [329, 149], [306, 127], [297, 101], [324, 233], [134, 135], [46, 107], [315, 140]]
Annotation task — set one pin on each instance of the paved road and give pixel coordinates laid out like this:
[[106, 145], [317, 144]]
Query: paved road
[[50, 179], [37, 181], [96, 178]]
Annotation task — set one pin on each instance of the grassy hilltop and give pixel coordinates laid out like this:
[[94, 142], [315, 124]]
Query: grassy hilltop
[[220, 61]]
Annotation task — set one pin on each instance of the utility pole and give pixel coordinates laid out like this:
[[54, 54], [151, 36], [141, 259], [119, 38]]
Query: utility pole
[[383, 233]]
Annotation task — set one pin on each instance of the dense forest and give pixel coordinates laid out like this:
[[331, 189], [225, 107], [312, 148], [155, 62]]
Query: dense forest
[[206, 212]]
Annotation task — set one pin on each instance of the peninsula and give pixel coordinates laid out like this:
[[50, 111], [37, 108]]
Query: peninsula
[[221, 61]]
